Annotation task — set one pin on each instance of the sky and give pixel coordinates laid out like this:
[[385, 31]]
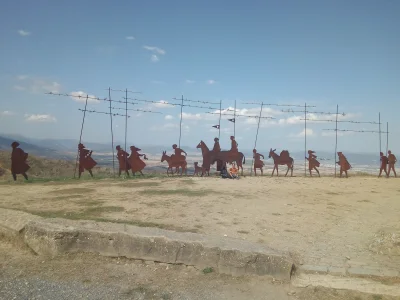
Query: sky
[[323, 53]]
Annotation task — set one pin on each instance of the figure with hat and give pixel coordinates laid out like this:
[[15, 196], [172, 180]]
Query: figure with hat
[[392, 161], [384, 163], [313, 163], [217, 147], [178, 157], [258, 163], [18, 161], [137, 165], [86, 162], [344, 164], [122, 157], [234, 152]]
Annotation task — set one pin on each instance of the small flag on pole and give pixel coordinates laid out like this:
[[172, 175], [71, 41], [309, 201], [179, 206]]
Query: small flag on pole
[[232, 120], [216, 126]]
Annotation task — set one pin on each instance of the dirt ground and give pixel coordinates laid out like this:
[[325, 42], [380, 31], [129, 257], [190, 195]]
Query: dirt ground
[[24, 275], [321, 221]]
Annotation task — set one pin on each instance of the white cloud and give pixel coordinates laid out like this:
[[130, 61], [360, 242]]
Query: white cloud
[[309, 132], [7, 113], [37, 85], [188, 116], [170, 127], [188, 81], [40, 118], [156, 52], [155, 49], [211, 81], [168, 117], [23, 32], [130, 38], [154, 58], [162, 104], [81, 97]]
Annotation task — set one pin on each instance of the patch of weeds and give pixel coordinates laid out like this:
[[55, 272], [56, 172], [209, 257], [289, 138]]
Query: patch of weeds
[[89, 202], [67, 197], [150, 204], [103, 209], [138, 184], [166, 296], [363, 201], [333, 193], [72, 191], [276, 214], [93, 214], [243, 231], [187, 182], [180, 192], [208, 270], [377, 297], [199, 226]]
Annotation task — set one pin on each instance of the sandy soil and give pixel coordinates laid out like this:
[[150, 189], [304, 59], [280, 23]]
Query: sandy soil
[[324, 221]]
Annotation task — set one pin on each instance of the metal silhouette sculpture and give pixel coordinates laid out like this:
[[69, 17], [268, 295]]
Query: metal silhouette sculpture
[[176, 160], [258, 163], [137, 165], [391, 161], [282, 159], [384, 163], [313, 163], [343, 163], [220, 157], [18, 161], [122, 157], [86, 162], [197, 169]]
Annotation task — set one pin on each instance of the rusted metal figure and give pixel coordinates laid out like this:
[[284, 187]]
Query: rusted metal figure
[[392, 161], [197, 169], [221, 157], [384, 163], [282, 159], [258, 163], [86, 162], [122, 157], [137, 165], [313, 163], [174, 163], [344, 164], [234, 152], [18, 161]]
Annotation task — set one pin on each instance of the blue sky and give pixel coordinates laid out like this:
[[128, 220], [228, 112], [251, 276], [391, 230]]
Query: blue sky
[[320, 52]]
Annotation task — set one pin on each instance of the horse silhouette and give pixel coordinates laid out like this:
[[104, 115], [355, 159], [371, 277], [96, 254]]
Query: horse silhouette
[[209, 157], [282, 159], [173, 164]]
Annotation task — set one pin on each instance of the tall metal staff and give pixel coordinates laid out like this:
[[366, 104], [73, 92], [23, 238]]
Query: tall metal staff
[[387, 138], [380, 139], [234, 121], [305, 139], [255, 143], [180, 124], [219, 122], [80, 137], [112, 132], [336, 132]]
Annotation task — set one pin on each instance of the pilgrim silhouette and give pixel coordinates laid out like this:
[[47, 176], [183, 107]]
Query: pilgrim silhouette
[[18, 161], [86, 162]]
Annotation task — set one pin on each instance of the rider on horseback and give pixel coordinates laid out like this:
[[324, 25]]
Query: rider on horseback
[[217, 147], [177, 157], [234, 149]]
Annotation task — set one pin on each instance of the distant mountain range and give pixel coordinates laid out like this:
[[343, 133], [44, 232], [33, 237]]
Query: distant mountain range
[[66, 149]]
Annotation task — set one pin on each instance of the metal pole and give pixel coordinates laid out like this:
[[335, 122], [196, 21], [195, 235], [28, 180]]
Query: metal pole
[[387, 138], [126, 117], [380, 139], [255, 143], [305, 139], [80, 137], [219, 122], [234, 121], [180, 125], [112, 132], [336, 131]]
